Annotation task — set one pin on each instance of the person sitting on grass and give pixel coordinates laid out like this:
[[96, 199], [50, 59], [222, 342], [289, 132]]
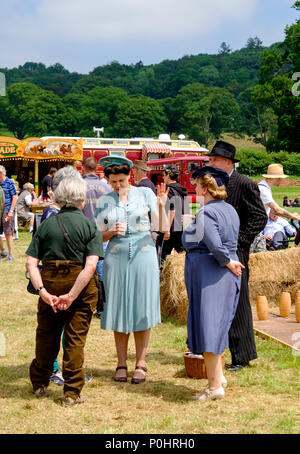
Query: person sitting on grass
[[286, 201]]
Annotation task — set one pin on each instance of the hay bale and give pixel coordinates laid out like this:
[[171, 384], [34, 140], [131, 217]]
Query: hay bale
[[270, 274], [173, 295], [274, 272]]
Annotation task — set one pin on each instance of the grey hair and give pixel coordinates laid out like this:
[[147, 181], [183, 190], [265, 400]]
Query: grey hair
[[28, 186], [64, 172], [71, 192], [3, 170]]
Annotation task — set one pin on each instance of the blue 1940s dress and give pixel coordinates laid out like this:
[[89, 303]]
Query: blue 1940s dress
[[213, 290], [130, 268]]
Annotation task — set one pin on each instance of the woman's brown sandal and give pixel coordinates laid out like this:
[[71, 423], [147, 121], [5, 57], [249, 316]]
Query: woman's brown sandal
[[121, 379], [136, 381]]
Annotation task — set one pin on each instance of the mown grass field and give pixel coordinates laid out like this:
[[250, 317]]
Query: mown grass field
[[261, 399]]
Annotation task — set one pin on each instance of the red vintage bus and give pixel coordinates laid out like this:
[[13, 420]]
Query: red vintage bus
[[186, 166], [137, 148]]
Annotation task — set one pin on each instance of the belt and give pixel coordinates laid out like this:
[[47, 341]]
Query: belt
[[198, 251], [62, 262]]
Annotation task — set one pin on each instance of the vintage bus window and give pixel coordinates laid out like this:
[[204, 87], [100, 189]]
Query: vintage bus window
[[152, 156], [134, 142], [121, 142], [107, 141], [193, 166], [91, 140], [185, 144], [117, 153]]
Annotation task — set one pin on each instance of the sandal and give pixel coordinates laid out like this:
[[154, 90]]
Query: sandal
[[121, 379], [136, 381]]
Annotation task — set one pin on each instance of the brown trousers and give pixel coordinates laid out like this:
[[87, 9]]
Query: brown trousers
[[58, 279]]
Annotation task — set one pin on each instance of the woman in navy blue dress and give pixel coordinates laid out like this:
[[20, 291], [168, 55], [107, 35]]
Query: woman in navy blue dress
[[212, 276]]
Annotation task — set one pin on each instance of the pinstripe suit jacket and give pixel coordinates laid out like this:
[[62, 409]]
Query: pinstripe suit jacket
[[243, 194]]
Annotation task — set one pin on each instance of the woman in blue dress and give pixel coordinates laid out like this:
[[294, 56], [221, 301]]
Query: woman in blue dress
[[130, 267], [212, 276]]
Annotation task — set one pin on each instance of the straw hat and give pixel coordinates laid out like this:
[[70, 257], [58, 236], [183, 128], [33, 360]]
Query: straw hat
[[275, 171], [141, 165]]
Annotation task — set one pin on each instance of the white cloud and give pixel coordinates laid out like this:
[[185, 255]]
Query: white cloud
[[114, 20], [108, 21], [81, 34]]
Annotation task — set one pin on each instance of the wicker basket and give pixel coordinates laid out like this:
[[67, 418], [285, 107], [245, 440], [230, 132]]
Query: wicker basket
[[195, 366]]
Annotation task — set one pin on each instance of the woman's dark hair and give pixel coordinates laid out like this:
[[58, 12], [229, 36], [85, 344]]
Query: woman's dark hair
[[116, 170]]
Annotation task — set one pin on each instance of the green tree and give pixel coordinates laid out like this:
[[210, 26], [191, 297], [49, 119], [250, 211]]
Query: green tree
[[204, 112], [18, 96], [254, 43], [87, 83], [224, 49], [275, 89], [99, 108], [139, 116], [209, 75], [32, 111]]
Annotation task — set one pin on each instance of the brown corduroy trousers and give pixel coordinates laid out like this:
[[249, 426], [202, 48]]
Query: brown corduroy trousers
[[58, 279]]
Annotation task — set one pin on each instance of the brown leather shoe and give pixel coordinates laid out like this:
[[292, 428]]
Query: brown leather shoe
[[121, 379], [41, 392], [70, 402], [136, 381]]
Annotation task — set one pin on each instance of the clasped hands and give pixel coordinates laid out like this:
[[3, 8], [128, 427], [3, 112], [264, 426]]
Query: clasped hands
[[62, 302]]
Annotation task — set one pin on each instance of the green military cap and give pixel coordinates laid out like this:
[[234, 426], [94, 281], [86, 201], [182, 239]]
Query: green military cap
[[115, 161]]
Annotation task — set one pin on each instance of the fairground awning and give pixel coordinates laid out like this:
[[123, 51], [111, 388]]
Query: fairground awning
[[155, 147], [36, 149]]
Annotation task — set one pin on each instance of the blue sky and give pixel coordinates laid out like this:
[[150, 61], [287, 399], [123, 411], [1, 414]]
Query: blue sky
[[83, 34]]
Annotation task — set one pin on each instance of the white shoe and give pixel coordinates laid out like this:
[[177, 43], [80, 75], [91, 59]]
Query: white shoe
[[208, 394], [223, 383]]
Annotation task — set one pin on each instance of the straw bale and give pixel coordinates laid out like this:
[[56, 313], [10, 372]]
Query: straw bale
[[173, 295], [271, 273], [274, 272]]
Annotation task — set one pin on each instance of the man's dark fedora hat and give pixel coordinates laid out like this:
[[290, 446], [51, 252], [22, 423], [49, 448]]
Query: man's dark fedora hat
[[224, 149]]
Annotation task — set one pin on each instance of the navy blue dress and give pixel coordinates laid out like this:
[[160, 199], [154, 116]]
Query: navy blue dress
[[210, 242]]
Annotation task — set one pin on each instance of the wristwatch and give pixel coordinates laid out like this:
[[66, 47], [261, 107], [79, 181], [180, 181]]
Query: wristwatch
[[40, 288]]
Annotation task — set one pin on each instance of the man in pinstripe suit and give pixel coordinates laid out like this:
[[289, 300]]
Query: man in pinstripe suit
[[243, 194]]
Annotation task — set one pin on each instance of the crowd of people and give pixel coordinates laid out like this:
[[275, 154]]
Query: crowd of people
[[108, 230]]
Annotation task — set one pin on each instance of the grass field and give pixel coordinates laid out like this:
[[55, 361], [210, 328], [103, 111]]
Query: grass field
[[260, 399]]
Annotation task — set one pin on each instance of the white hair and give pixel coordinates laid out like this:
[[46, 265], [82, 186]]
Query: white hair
[[64, 172], [28, 186], [71, 192], [3, 170]]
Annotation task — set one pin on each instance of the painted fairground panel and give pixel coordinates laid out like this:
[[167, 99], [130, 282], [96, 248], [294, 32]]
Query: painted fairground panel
[[60, 149], [10, 147]]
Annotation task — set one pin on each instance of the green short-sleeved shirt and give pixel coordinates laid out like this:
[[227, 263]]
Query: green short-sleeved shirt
[[49, 243]]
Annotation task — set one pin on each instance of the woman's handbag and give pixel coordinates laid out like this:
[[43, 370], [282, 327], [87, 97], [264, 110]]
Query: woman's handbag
[[98, 282], [30, 287]]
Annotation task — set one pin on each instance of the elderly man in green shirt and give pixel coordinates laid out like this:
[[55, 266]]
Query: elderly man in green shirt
[[67, 289]]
